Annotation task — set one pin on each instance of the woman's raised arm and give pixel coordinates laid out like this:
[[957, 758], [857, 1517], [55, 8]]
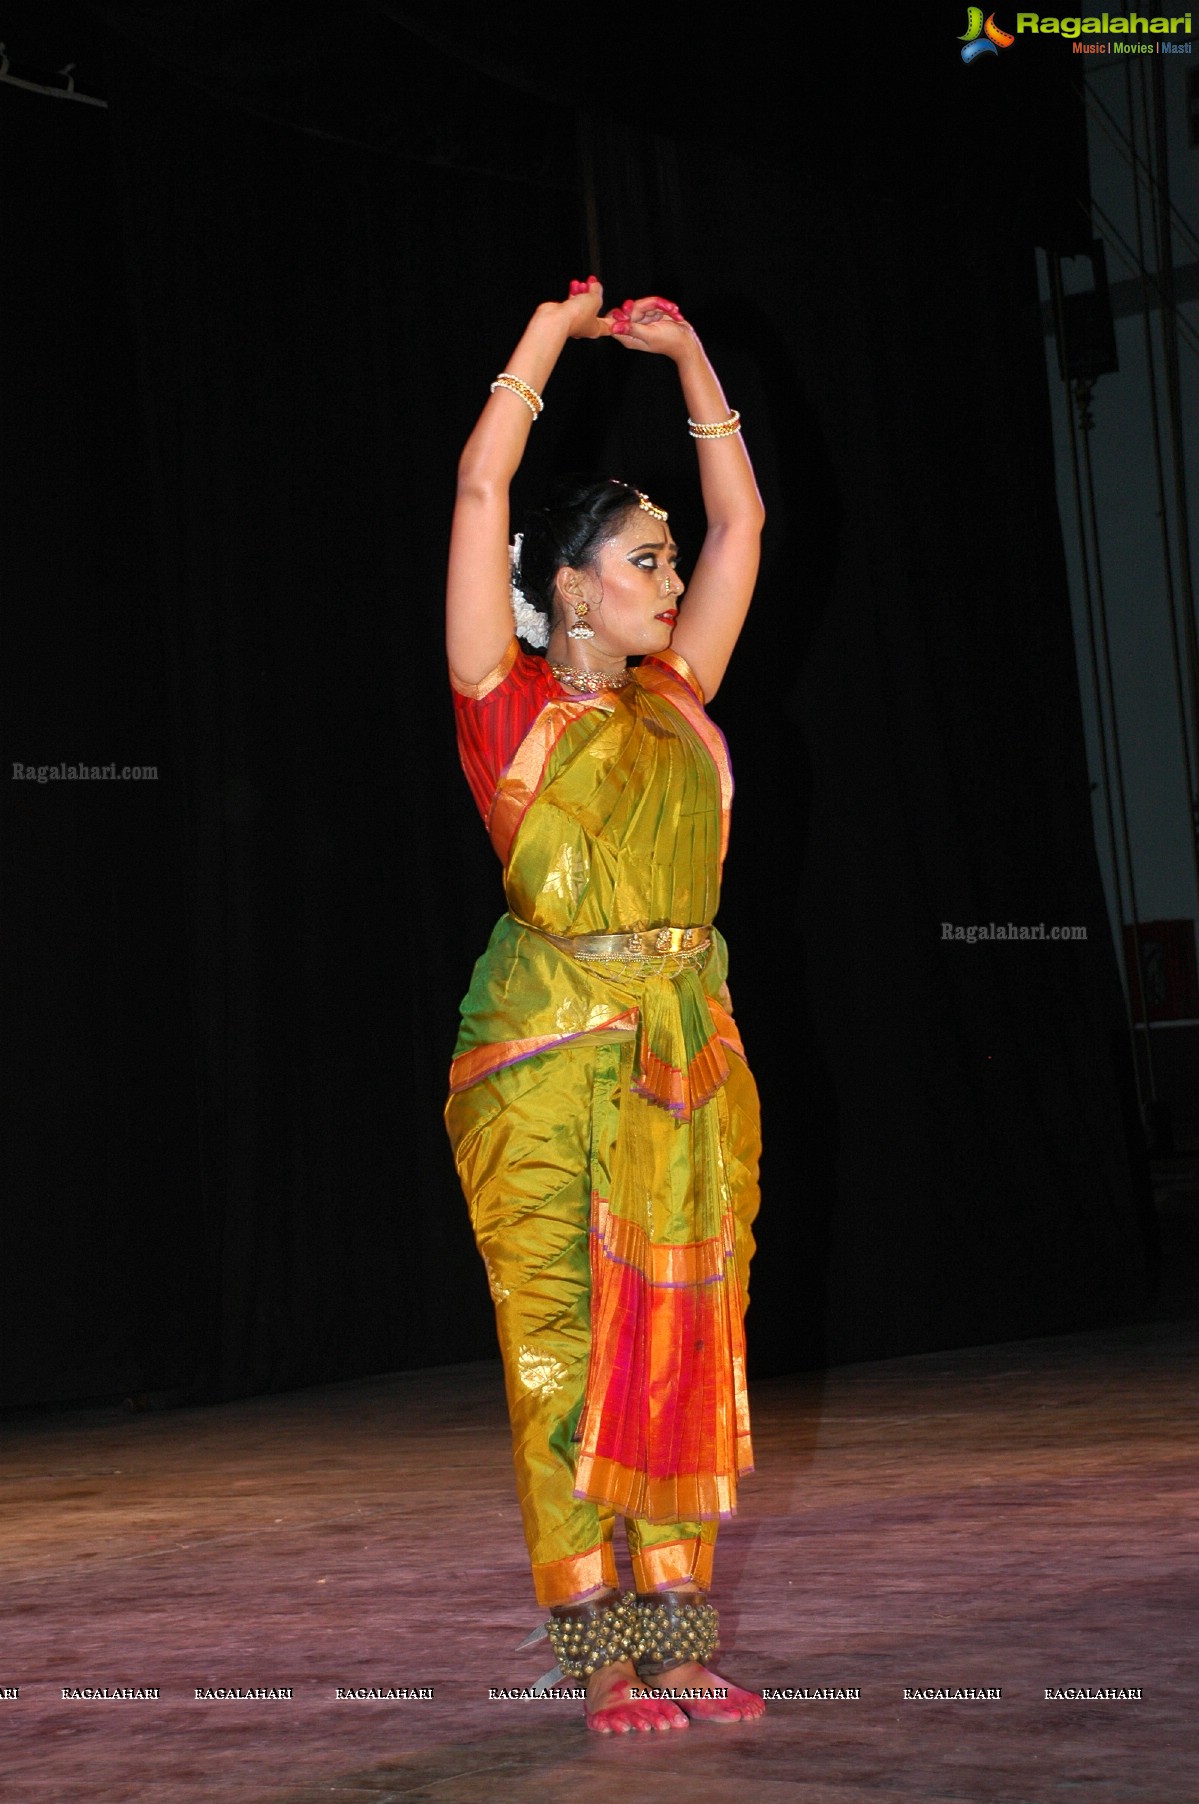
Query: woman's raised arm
[[721, 586], [478, 608]]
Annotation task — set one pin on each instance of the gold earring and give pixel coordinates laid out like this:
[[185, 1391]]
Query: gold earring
[[580, 629]]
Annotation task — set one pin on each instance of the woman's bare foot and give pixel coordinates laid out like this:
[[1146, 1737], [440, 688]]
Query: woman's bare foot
[[715, 1699], [612, 1711]]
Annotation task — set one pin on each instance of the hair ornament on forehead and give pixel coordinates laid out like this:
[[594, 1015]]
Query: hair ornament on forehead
[[531, 624], [643, 500]]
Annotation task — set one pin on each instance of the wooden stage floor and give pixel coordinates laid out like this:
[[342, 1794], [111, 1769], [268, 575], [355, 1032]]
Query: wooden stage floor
[[1019, 1519]]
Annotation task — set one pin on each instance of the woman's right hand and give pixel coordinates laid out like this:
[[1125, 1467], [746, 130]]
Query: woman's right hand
[[580, 312]]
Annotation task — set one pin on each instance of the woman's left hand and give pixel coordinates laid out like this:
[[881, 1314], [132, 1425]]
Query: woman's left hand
[[652, 324]]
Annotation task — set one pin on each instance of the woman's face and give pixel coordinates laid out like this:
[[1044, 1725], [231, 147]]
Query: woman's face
[[632, 590]]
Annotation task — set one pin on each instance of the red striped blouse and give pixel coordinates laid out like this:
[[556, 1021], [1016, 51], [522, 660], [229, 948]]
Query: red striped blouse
[[494, 716]]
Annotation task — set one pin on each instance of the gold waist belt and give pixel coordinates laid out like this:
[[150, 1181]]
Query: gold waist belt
[[655, 950]]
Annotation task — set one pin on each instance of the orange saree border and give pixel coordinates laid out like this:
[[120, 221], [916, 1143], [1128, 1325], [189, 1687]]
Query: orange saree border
[[481, 1061], [568, 1580], [694, 1262], [661, 1082], [673, 1563], [698, 1497], [727, 1030], [518, 786], [674, 660]]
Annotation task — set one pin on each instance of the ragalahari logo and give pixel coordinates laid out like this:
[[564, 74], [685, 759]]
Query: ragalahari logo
[[982, 37]]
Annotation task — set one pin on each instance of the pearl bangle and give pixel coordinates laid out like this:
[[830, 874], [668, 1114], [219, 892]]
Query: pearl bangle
[[521, 390], [715, 428]]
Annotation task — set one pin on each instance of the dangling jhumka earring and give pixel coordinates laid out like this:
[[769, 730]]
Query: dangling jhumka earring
[[580, 629]]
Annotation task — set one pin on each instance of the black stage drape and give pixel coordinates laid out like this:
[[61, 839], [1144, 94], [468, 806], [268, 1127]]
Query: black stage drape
[[251, 311]]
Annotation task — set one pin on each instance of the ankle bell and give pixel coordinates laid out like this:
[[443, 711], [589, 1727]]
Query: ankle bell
[[674, 1630], [585, 1637]]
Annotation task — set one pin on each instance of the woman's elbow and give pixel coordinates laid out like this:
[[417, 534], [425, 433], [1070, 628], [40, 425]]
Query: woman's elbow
[[479, 487]]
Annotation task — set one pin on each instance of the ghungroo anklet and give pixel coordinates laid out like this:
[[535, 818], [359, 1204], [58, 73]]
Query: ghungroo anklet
[[675, 1629], [588, 1636]]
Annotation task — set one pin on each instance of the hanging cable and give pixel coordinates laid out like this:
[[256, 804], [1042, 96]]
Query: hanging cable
[[1128, 149], [1188, 762], [1133, 262], [1168, 324], [1110, 767], [1086, 423]]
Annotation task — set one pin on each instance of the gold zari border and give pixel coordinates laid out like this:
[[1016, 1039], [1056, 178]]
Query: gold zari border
[[674, 1563], [522, 779], [492, 680], [563, 1581], [674, 660], [481, 1061], [695, 1498]]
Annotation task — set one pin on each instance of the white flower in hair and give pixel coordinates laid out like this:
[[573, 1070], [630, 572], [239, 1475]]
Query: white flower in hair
[[531, 624]]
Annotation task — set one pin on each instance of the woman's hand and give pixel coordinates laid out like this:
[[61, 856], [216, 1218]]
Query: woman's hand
[[653, 324], [635, 324], [579, 315]]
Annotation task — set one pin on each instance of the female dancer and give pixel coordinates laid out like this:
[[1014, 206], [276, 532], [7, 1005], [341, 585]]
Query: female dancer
[[603, 1119]]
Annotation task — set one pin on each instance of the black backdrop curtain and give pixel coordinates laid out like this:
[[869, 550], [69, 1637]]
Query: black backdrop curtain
[[251, 312]]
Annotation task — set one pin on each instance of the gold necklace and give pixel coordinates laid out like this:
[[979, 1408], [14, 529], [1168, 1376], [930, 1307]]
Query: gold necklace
[[590, 682]]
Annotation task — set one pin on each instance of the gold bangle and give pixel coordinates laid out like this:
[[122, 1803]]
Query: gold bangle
[[515, 386], [715, 428]]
